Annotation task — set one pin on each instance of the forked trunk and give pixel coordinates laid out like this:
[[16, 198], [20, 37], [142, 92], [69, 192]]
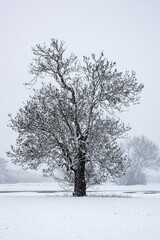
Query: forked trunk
[[80, 184]]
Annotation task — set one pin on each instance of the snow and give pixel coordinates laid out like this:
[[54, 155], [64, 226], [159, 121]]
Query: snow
[[37, 211]]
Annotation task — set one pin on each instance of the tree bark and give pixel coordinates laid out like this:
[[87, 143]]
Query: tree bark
[[80, 183]]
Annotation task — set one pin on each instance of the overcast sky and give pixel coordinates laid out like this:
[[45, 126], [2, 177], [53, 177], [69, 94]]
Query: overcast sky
[[128, 31]]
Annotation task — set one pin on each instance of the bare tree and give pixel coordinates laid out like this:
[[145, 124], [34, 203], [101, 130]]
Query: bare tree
[[3, 170], [70, 125], [142, 154]]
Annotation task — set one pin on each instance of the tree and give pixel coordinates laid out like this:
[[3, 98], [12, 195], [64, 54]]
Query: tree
[[142, 154], [69, 125], [3, 170]]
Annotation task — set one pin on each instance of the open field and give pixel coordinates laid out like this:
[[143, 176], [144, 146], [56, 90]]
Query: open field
[[40, 211]]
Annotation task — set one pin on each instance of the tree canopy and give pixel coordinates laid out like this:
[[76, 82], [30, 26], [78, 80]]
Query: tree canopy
[[69, 125], [142, 154]]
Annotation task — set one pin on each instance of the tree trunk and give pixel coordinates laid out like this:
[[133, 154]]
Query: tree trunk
[[80, 184]]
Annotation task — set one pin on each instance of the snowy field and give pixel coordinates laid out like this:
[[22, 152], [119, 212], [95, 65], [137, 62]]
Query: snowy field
[[41, 211]]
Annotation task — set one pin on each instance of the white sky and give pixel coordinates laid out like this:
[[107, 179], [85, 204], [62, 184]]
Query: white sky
[[128, 31]]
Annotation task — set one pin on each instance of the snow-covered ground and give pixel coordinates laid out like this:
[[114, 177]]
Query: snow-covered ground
[[38, 211]]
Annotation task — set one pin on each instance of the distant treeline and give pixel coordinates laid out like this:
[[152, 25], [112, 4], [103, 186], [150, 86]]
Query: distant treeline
[[18, 176]]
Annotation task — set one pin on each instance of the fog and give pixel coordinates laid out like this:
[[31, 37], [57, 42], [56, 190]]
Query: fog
[[127, 31]]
